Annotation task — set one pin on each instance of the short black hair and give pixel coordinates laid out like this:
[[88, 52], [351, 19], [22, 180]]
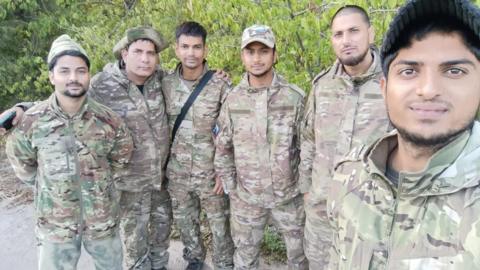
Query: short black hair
[[348, 9], [191, 28], [74, 53], [422, 28]]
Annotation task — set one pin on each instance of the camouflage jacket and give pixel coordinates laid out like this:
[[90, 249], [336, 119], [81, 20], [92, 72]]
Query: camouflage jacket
[[193, 149], [258, 143], [72, 162], [429, 221], [342, 115], [144, 115]]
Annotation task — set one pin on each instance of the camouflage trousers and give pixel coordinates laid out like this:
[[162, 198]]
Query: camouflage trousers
[[318, 235], [106, 254], [187, 202], [145, 225], [248, 225]]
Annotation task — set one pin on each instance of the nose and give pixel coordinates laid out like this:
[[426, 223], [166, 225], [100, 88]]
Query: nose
[[346, 39], [72, 76], [144, 57], [429, 85]]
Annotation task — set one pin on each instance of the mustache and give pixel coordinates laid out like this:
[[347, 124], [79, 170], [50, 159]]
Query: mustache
[[74, 84]]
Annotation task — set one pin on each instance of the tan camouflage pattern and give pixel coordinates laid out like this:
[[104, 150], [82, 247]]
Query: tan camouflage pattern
[[342, 114], [145, 117], [190, 169], [248, 225], [73, 163], [257, 157], [258, 143], [106, 254], [429, 221]]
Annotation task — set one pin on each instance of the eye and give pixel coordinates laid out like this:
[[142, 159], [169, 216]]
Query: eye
[[455, 72], [407, 72], [354, 30], [337, 35]]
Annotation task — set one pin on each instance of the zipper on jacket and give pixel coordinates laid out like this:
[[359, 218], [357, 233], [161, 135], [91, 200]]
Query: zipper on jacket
[[78, 181], [390, 236]]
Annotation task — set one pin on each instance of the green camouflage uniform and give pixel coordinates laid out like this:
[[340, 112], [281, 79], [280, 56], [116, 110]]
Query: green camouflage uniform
[[257, 157], [73, 163], [190, 169], [429, 221], [342, 114], [144, 201]]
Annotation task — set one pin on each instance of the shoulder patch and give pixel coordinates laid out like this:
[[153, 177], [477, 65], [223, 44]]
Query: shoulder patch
[[320, 75], [297, 89]]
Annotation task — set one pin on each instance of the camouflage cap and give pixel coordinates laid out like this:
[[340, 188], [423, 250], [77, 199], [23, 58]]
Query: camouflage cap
[[415, 12], [136, 33], [64, 43], [258, 33]]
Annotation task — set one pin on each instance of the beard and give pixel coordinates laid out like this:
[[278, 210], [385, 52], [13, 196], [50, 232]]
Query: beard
[[80, 94], [353, 60], [260, 75], [434, 141]]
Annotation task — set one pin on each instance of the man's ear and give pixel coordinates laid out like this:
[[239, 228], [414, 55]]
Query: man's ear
[[124, 55], [50, 76], [383, 86]]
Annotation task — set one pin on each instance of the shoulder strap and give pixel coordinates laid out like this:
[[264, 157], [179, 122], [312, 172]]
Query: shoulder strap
[[190, 100]]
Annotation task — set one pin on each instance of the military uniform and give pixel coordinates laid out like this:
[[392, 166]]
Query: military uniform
[[144, 199], [342, 114], [428, 221], [190, 169], [257, 158], [73, 163]]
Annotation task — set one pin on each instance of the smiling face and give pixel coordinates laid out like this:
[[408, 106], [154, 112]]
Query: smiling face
[[351, 38], [70, 76], [430, 96], [140, 60], [191, 51], [258, 59]]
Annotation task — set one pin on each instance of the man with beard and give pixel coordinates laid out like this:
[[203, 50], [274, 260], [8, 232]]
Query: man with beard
[[192, 182], [258, 153], [72, 149], [411, 200], [344, 112]]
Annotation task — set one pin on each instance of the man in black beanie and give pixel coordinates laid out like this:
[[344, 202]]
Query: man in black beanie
[[411, 201]]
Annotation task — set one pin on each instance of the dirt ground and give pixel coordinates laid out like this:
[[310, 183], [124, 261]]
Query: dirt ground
[[17, 239]]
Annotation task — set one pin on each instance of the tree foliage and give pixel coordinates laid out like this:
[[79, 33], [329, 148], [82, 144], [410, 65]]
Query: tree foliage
[[301, 26]]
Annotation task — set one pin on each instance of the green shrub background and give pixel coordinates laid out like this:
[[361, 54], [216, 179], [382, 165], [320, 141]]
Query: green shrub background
[[28, 27]]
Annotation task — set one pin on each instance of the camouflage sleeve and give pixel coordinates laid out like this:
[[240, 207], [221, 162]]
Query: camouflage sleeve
[[224, 155], [307, 141], [93, 90], [121, 151], [22, 155], [26, 105], [164, 148], [226, 88]]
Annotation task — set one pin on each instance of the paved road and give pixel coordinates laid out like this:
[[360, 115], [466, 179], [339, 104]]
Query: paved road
[[18, 251]]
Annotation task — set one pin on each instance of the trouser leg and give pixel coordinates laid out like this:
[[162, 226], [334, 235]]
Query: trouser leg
[[106, 253], [289, 218], [134, 217], [248, 224], [160, 228]]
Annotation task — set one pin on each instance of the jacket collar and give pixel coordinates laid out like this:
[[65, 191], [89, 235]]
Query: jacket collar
[[450, 169], [375, 68], [57, 110]]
